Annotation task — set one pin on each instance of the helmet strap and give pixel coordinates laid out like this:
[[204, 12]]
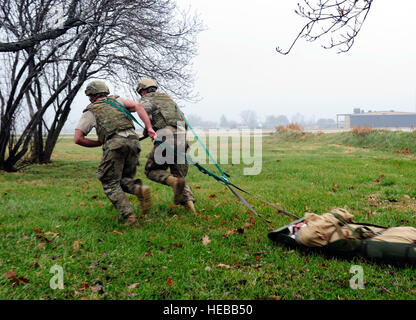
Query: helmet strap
[[96, 97]]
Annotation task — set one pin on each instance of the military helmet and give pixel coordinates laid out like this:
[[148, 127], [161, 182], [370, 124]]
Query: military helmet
[[96, 87], [145, 84]]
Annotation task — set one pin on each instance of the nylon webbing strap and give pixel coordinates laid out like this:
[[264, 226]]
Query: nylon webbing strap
[[117, 105], [244, 202], [224, 175], [266, 202]]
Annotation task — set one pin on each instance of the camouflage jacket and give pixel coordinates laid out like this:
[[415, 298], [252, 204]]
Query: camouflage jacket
[[109, 119], [162, 110]]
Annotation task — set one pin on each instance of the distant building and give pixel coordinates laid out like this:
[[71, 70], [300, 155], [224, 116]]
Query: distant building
[[376, 119]]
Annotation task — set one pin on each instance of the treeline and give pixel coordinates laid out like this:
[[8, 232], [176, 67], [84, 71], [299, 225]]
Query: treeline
[[250, 120]]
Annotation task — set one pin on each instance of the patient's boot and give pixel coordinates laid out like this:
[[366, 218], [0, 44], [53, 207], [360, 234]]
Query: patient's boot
[[178, 185], [144, 195]]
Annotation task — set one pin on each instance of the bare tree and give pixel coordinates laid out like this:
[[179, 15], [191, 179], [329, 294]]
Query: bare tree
[[28, 41], [339, 21], [122, 41]]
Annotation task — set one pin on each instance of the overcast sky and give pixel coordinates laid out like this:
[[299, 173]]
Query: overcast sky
[[238, 68]]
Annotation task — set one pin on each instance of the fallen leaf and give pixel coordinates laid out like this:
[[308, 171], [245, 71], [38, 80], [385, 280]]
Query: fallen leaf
[[37, 230], [134, 285], [54, 234], [275, 298], [212, 196], [75, 245], [9, 274], [98, 288], [233, 231], [41, 245], [384, 290], [207, 268], [116, 232], [205, 240], [220, 204], [226, 266], [19, 280], [43, 238], [170, 282], [148, 253]]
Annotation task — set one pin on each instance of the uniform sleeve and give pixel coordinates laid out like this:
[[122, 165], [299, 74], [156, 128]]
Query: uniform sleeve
[[87, 122]]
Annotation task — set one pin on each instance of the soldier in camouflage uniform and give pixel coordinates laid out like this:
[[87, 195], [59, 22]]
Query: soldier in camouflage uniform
[[167, 120], [121, 147]]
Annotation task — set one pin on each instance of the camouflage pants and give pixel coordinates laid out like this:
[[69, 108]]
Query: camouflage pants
[[157, 171], [117, 170]]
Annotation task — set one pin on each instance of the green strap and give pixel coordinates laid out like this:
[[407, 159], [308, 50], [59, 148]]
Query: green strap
[[120, 107], [223, 174]]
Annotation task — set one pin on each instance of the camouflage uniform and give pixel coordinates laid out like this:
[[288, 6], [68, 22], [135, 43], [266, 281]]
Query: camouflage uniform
[[164, 115], [121, 150]]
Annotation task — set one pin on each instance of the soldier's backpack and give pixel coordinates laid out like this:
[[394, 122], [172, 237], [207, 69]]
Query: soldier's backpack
[[378, 251]]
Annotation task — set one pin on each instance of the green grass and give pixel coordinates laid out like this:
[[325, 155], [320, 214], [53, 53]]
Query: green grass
[[166, 258]]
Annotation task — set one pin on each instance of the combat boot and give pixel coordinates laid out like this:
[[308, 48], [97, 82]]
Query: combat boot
[[144, 195], [178, 186], [132, 221], [189, 205]]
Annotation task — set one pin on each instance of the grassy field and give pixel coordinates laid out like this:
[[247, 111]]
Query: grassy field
[[57, 214]]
